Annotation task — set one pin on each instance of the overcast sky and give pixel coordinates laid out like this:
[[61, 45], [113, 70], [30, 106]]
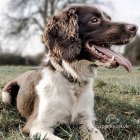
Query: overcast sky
[[127, 10], [124, 10]]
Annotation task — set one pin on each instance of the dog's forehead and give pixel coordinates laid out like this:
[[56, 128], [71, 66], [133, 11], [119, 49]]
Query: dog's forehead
[[89, 10]]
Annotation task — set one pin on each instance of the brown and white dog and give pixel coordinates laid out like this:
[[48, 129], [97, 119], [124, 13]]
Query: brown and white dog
[[78, 40]]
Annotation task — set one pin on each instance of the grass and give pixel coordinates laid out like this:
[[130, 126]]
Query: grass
[[117, 106]]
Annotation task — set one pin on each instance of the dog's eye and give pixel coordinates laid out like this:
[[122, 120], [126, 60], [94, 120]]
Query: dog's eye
[[94, 20]]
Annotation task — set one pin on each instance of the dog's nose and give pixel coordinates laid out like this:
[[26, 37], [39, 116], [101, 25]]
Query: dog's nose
[[131, 28]]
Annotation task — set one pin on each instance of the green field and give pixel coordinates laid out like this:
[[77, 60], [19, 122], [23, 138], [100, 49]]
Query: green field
[[117, 106]]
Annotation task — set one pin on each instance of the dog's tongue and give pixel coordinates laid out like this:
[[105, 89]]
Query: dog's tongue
[[118, 58]]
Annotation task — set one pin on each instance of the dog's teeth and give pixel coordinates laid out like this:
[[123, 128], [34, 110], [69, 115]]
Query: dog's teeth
[[112, 59], [93, 49]]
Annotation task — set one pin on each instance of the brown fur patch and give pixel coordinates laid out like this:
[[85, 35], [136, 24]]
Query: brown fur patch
[[27, 99]]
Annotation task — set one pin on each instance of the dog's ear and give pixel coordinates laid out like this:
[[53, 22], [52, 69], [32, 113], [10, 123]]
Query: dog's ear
[[61, 35]]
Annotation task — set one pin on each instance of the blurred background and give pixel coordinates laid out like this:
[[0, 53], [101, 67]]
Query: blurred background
[[23, 21]]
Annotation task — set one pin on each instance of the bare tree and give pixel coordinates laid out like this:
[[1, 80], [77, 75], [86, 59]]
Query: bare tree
[[24, 13]]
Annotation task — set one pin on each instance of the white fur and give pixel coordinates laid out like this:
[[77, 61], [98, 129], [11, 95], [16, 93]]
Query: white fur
[[64, 102], [6, 97]]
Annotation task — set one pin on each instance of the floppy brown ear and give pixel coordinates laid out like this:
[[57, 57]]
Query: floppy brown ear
[[62, 37]]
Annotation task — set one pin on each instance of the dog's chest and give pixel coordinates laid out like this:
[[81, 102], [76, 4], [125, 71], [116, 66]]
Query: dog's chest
[[78, 88], [57, 94]]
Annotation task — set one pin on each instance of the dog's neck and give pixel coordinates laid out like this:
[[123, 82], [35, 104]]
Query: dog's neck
[[75, 72]]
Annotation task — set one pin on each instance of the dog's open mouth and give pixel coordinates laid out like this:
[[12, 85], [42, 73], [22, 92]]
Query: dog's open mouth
[[107, 57]]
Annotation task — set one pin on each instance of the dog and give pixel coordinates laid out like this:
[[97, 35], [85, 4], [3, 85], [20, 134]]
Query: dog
[[78, 40]]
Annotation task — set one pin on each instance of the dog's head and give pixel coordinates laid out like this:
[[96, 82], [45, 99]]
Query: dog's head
[[85, 32]]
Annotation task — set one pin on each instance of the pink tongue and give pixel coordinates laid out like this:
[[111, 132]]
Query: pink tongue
[[119, 58]]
